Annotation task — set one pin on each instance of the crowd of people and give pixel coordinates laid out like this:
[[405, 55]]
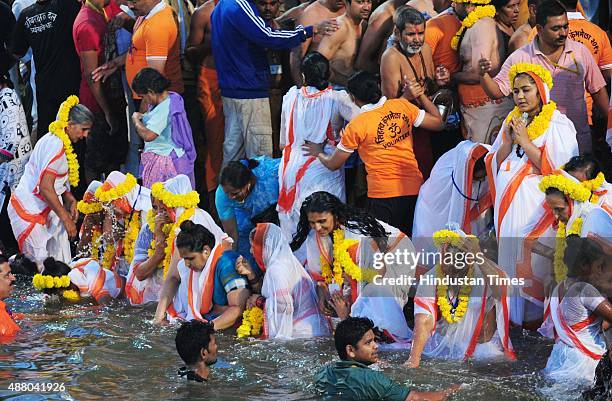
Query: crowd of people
[[286, 171]]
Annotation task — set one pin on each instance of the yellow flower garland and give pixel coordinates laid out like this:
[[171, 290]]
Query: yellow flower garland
[[561, 243], [117, 192], [58, 128], [43, 281], [188, 200], [442, 237], [595, 183], [108, 256], [187, 214], [479, 13], [453, 315], [343, 262], [540, 123], [521, 68], [95, 243], [89, 208], [573, 189], [252, 322], [151, 224], [131, 234], [71, 295]]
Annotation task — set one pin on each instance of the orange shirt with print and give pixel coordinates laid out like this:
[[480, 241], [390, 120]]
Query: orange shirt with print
[[156, 36], [383, 138], [439, 33]]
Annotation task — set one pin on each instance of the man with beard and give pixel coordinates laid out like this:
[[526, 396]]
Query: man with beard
[[411, 59], [341, 47], [196, 343], [319, 10]]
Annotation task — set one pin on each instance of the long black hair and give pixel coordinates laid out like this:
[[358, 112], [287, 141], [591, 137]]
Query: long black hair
[[315, 68], [238, 173], [353, 219], [193, 237]]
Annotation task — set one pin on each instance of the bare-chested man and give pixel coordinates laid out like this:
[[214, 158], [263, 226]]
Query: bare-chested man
[[374, 43], [199, 52], [316, 12], [342, 46], [523, 33], [293, 14], [410, 60]]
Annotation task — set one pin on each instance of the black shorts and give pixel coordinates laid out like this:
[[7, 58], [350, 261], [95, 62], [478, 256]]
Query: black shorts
[[397, 212]]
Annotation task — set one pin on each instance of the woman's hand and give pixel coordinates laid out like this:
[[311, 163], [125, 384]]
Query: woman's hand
[[340, 305], [161, 219], [519, 128], [252, 301], [137, 117]]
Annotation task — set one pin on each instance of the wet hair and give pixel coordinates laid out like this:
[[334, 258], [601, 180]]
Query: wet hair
[[352, 218], [191, 338], [569, 4], [407, 15], [580, 254], [583, 162], [80, 114], [548, 8], [23, 265], [365, 87], [150, 80], [194, 237], [315, 68], [238, 173], [349, 332], [55, 268]]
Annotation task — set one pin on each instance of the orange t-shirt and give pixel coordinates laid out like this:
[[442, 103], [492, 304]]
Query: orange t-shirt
[[156, 36], [383, 137], [594, 39], [439, 33]]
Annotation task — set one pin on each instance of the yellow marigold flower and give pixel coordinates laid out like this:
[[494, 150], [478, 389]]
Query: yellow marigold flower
[[119, 191], [595, 183], [479, 13], [540, 123], [521, 68], [188, 200], [71, 295], [574, 190], [89, 208]]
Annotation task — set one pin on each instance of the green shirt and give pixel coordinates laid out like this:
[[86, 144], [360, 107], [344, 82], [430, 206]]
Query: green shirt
[[355, 381]]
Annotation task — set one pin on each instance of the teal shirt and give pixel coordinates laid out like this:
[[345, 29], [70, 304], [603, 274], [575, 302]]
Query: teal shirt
[[157, 120], [350, 380]]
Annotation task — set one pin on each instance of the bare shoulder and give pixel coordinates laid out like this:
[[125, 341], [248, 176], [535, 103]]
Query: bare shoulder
[[381, 14], [312, 14], [391, 55], [203, 12]]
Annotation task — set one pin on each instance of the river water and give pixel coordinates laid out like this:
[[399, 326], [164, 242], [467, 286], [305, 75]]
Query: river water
[[115, 353]]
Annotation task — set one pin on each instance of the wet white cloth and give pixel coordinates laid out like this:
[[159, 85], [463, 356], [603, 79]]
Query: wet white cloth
[[93, 280]]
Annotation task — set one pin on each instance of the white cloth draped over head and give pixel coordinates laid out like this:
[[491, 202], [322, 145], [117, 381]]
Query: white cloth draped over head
[[390, 298], [141, 292], [90, 192], [38, 230], [93, 280], [138, 198], [451, 196], [519, 202], [291, 301], [316, 116]]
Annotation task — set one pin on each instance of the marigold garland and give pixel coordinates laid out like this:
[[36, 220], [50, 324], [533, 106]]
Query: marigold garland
[[343, 262], [522, 68], [131, 234], [595, 183], [108, 256], [105, 194], [561, 243], [450, 314], [573, 189], [151, 225], [43, 281], [71, 295], [540, 123], [186, 215], [252, 322], [95, 243], [89, 208], [188, 200], [58, 128], [479, 13], [442, 237]]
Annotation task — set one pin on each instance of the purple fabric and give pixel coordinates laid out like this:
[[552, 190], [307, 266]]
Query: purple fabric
[[156, 168], [181, 130]]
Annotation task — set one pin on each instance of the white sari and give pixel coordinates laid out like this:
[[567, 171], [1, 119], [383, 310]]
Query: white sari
[[38, 230], [450, 196], [519, 202], [142, 292], [291, 302], [93, 280], [315, 116]]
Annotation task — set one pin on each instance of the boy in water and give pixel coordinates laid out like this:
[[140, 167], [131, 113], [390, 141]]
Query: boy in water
[[351, 378], [196, 344]]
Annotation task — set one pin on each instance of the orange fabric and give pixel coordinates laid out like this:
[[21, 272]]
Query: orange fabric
[[209, 287], [508, 195], [438, 35], [472, 95], [209, 96], [258, 243], [475, 154], [474, 341], [8, 327], [156, 36], [383, 137], [97, 290]]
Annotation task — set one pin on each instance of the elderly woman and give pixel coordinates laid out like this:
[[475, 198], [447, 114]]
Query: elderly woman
[[42, 210], [173, 202], [287, 290], [506, 15], [535, 140], [169, 148]]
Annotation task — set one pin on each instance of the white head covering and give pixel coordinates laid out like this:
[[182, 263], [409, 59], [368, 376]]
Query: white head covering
[[138, 197], [90, 192]]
